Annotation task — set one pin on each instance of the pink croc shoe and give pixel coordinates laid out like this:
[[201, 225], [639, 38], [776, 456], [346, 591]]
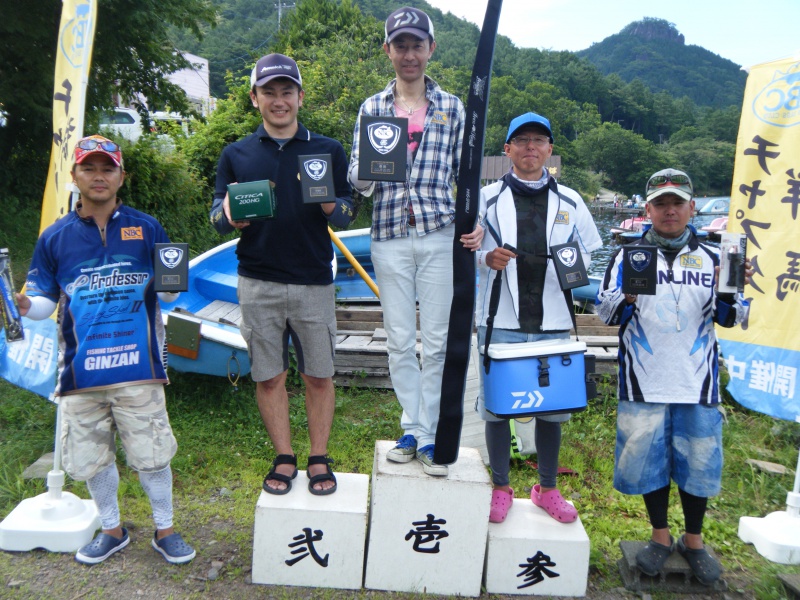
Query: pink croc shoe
[[555, 505], [501, 504]]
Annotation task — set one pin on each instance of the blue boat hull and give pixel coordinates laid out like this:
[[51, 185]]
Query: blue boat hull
[[213, 278]]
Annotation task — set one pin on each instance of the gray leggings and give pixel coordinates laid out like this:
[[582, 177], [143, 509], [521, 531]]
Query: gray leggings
[[548, 443]]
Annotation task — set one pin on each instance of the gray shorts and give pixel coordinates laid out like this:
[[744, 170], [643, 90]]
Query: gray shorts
[[272, 312], [89, 422]]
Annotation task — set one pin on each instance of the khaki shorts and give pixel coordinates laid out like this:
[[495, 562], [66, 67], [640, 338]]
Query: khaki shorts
[[272, 312], [89, 422]]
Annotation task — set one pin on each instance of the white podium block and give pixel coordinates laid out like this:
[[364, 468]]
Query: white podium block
[[428, 534], [531, 553], [314, 541]]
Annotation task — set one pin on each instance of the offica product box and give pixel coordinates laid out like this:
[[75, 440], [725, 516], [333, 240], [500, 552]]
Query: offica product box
[[639, 270], [171, 268], [535, 378], [252, 200], [383, 147], [9, 310]]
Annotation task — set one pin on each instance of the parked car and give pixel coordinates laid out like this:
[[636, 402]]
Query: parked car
[[123, 122]]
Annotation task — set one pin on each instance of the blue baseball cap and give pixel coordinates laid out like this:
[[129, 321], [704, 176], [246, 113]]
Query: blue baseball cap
[[526, 120]]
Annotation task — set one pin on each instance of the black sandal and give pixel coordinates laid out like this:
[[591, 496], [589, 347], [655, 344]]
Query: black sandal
[[652, 557], [281, 459], [705, 568], [329, 476]]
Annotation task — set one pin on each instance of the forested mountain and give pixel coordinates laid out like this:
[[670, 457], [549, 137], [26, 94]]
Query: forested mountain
[[654, 51], [613, 124]]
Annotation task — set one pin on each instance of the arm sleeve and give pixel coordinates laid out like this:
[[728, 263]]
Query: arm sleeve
[[343, 213], [611, 304], [365, 188], [217, 215], [460, 123], [41, 308], [168, 297], [730, 309], [488, 244]]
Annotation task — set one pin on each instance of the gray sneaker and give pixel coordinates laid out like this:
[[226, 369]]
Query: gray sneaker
[[404, 451], [425, 456]]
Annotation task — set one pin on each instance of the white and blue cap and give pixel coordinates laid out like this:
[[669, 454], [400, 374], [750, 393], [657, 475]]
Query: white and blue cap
[[273, 66], [529, 119], [408, 20]]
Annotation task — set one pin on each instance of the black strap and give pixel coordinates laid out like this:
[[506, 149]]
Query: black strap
[[494, 301], [462, 307]]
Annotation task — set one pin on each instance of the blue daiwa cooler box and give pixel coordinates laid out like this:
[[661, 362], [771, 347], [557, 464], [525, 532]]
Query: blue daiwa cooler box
[[535, 378]]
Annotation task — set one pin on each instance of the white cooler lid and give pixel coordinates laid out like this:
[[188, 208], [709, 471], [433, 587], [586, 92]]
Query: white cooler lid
[[540, 348]]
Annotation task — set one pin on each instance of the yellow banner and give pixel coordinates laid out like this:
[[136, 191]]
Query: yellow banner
[[763, 356], [73, 58]]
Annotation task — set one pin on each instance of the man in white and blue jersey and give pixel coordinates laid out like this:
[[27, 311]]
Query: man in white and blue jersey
[[97, 261], [669, 426]]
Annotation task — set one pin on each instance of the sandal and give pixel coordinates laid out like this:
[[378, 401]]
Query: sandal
[[555, 505], [315, 479], [652, 557], [703, 565], [281, 459], [501, 504]]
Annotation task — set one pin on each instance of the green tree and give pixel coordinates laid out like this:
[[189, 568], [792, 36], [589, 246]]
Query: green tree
[[626, 158], [709, 163], [132, 54]]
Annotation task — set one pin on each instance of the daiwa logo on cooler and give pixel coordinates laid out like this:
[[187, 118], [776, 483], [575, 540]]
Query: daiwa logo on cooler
[[525, 400], [779, 102], [98, 282], [249, 198]]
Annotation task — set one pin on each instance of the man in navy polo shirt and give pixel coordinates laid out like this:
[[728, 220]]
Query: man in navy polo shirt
[[285, 280], [98, 261]]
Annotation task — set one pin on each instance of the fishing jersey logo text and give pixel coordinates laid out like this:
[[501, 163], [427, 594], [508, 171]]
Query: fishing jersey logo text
[[132, 233], [562, 217], [690, 261], [99, 282]]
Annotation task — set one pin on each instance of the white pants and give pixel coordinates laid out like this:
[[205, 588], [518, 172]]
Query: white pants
[[409, 269]]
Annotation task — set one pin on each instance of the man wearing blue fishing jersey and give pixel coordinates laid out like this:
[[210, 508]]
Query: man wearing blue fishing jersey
[[98, 262]]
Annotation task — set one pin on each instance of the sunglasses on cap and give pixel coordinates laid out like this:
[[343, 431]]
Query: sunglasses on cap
[[93, 144], [677, 178]]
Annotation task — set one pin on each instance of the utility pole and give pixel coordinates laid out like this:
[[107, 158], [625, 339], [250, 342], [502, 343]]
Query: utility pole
[[281, 5]]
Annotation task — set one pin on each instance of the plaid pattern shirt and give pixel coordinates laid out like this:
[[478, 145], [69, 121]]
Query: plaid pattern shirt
[[429, 180]]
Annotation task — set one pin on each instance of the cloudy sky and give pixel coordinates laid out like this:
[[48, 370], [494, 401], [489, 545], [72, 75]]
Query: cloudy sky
[[742, 31]]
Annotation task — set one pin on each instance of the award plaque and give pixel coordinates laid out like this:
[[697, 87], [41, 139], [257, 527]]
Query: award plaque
[[316, 178], [9, 309], [252, 200], [383, 147], [569, 265], [639, 270], [171, 268]]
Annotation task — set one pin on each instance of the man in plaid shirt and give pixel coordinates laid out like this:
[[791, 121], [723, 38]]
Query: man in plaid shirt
[[412, 230]]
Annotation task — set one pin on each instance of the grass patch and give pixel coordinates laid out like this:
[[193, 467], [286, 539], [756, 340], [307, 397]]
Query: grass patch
[[224, 453]]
